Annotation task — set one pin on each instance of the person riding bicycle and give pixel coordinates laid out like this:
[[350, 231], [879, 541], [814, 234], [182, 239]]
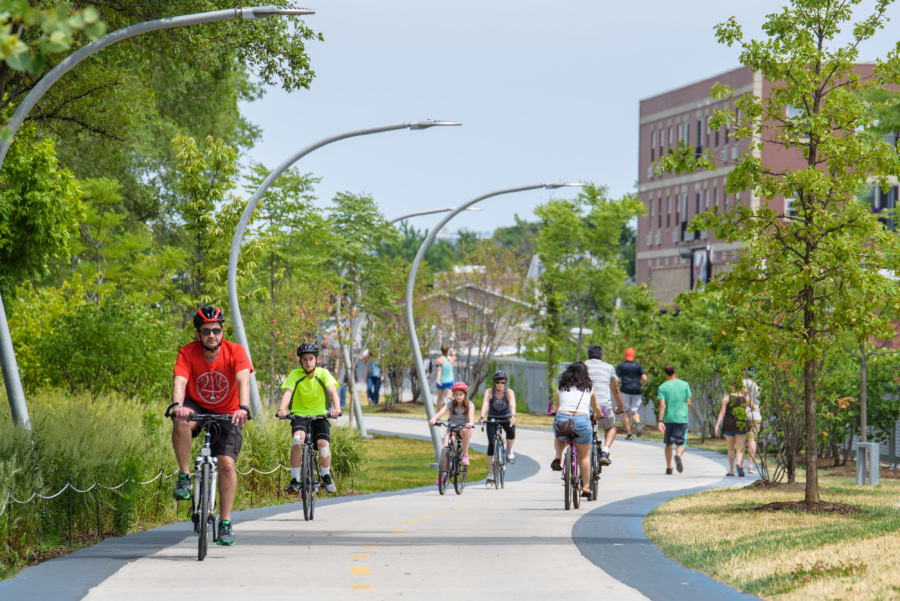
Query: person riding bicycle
[[306, 391], [461, 416], [603, 375], [499, 404], [211, 375]]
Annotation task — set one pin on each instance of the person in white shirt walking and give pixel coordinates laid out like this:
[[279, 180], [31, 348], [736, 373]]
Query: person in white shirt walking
[[752, 391]]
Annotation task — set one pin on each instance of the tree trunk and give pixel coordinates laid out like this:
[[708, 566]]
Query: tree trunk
[[862, 392], [809, 393]]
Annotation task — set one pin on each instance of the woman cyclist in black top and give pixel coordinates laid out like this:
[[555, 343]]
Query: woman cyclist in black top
[[499, 403]]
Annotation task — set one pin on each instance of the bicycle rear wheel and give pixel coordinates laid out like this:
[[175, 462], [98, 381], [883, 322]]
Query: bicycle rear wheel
[[314, 484], [444, 470], [498, 461], [576, 481], [305, 484], [567, 468], [595, 471], [502, 474], [203, 541]]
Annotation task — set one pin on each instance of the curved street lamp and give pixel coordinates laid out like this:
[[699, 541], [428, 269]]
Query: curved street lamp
[[410, 286], [236, 320], [14, 391], [431, 212]]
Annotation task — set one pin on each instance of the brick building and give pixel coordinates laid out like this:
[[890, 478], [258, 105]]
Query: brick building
[[668, 256]]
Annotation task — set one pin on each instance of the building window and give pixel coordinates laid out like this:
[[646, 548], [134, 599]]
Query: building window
[[680, 131], [659, 219], [717, 138], [734, 151], [716, 197], [651, 157], [707, 199], [699, 133], [726, 135], [670, 135], [652, 139], [687, 133]]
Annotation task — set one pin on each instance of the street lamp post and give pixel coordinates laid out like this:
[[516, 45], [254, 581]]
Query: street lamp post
[[236, 320], [14, 391], [431, 212], [410, 286]]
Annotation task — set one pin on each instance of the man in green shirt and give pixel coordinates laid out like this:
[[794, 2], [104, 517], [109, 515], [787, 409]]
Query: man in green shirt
[[674, 407], [305, 392]]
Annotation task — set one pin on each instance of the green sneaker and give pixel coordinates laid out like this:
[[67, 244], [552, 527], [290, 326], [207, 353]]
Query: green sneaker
[[226, 534], [182, 488]]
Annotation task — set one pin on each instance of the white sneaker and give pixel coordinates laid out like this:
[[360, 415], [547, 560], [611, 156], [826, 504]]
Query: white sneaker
[[511, 457]]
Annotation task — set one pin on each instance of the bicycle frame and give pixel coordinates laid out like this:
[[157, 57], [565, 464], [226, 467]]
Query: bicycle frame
[[205, 457]]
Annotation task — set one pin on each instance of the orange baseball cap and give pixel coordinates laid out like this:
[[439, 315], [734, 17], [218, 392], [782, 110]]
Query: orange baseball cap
[[629, 354]]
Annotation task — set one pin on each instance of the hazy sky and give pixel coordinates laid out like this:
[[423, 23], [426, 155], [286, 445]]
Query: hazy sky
[[545, 91]]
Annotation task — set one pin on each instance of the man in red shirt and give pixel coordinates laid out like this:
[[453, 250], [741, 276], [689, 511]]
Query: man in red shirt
[[212, 375]]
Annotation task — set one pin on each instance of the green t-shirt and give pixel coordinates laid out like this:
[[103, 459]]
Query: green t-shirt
[[675, 393], [309, 395]]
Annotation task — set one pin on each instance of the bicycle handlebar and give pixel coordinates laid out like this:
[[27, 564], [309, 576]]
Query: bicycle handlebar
[[447, 425], [196, 417], [309, 417]]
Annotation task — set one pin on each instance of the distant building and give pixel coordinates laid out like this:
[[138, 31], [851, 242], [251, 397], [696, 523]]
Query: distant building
[[447, 235], [668, 256]]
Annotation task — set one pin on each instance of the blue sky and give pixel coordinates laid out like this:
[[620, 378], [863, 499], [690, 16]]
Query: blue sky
[[545, 92]]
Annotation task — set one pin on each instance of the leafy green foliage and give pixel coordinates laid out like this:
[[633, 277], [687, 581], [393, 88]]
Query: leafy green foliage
[[39, 207], [818, 271]]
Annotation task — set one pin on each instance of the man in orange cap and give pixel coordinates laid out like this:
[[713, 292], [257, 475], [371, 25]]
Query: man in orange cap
[[632, 376]]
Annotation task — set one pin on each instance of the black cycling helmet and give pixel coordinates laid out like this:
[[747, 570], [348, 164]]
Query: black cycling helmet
[[208, 315], [501, 375], [308, 348]]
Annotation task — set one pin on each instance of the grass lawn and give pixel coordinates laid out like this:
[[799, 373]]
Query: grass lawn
[[400, 463], [789, 554]]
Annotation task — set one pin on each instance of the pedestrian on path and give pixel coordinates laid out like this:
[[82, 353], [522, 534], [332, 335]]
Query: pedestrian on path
[[734, 419], [603, 375], [674, 408], [443, 376], [752, 391], [632, 377], [374, 378]]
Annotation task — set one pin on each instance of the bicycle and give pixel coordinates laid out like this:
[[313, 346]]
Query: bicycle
[[500, 457], [571, 477], [310, 481], [451, 461], [206, 476], [596, 466]]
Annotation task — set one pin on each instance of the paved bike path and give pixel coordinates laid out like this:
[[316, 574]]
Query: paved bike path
[[414, 543]]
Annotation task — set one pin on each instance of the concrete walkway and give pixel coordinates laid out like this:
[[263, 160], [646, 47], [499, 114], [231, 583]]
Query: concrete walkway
[[482, 544]]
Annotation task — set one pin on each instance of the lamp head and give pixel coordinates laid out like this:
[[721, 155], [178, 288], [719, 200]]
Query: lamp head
[[562, 185], [425, 124], [254, 13]]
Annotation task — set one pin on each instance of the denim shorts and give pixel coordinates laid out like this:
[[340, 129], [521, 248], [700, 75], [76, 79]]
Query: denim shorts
[[446, 386], [583, 430]]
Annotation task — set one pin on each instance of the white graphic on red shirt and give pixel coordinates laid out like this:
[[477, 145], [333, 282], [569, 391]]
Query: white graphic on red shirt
[[212, 387]]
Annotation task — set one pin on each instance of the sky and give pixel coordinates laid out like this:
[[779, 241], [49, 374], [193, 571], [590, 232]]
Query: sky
[[545, 92]]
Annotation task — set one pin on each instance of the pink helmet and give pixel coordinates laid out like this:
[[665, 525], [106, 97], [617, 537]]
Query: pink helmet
[[460, 386]]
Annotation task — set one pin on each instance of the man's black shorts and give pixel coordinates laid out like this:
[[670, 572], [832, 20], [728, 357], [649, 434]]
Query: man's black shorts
[[321, 428], [225, 438], [675, 434]]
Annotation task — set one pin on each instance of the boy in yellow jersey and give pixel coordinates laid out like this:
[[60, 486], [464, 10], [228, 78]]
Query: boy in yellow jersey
[[306, 391]]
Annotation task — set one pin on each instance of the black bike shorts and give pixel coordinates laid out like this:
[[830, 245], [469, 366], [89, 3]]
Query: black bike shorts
[[225, 438], [492, 429], [321, 428], [675, 434]]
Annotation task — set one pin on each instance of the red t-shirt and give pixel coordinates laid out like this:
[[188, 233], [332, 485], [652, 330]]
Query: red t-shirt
[[213, 385]]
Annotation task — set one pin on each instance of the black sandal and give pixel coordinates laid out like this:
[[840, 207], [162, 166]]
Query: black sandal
[[556, 465], [587, 495]]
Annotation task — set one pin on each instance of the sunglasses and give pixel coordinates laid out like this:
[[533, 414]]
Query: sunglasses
[[213, 331]]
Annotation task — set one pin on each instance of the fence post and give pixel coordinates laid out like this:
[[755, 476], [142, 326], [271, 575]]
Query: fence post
[[158, 491], [279, 481], [69, 497], [98, 517]]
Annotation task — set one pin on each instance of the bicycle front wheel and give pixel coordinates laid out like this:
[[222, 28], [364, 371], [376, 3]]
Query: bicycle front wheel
[[595, 472], [306, 484], [498, 461], [567, 476], [315, 484], [203, 541], [444, 470], [576, 481], [460, 473]]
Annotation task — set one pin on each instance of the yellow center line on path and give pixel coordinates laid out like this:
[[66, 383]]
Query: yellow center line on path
[[478, 503], [617, 457], [424, 517], [442, 512], [369, 547], [498, 498], [360, 570], [360, 557], [396, 529], [362, 586], [411, 522], [619, 480], [460, 507]]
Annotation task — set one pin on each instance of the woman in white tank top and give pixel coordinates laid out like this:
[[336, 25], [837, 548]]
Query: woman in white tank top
[[574, 398]]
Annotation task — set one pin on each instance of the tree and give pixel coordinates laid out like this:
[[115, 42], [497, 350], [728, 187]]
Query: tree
[[481, 310], [40, 205], [440, 255], [813, 272]]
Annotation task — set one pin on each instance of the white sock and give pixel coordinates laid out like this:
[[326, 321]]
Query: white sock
[[324, 470], [295, 474], [605, 449]]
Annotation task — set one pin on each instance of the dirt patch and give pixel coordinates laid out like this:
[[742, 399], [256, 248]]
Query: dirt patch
[[391, 409], [806, 507], [350, 493], [782, 486], [850, 472]]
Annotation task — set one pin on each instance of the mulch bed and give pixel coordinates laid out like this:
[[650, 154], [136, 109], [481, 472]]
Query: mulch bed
[[400, 407], [820, 507], [782, 486], [850, 472]]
